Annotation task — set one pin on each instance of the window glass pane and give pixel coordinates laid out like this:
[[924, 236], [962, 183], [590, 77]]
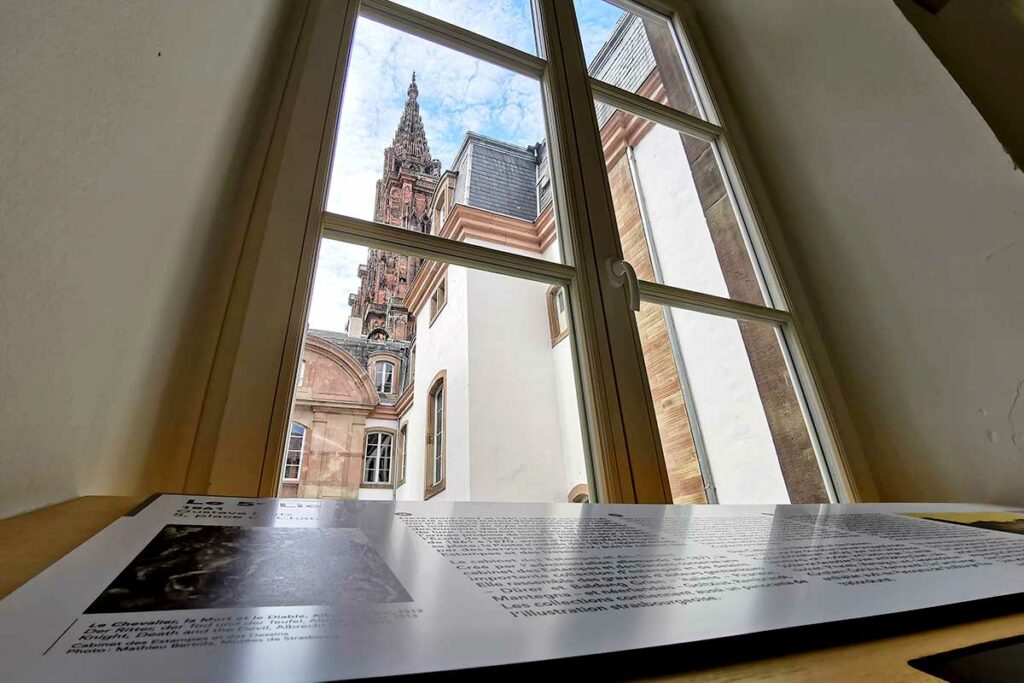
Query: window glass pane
[[563, 313], [486, 361], [506, 21], [636, 53], [723, 393], [675, 217], [293, 452], [435, 141]]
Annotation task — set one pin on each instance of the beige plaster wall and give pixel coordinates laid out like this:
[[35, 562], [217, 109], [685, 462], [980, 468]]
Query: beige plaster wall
[[906, 219], [124, 130]]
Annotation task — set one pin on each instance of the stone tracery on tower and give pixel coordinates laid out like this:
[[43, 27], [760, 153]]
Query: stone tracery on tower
[[410, 176]]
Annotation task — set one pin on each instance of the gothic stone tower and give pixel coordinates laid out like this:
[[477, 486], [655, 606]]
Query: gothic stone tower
[[403, 200]]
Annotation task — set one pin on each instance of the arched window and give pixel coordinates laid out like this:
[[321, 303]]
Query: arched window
[[293, 456], [377, 463], [558, 314], [579, 494], [385, 377], [436, 411]]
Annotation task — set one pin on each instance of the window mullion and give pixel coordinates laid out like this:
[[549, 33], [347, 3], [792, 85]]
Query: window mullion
[[629, 466], [709, 303], [380, 236], [452, 36], [654, 111]]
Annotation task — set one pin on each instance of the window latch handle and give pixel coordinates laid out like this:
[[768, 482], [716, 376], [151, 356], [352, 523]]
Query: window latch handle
[[621, 273]]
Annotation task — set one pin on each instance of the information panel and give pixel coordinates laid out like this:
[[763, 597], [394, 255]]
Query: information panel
[[245, 589]]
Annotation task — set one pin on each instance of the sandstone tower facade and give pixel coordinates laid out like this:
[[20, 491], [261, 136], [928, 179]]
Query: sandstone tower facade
[[404, 191]]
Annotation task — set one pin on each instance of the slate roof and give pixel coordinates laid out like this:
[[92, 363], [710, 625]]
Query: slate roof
[[497, 176], [507, 179], [360, 349], [624, 61]]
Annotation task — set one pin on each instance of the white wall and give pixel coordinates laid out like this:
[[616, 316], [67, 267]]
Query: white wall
[[442, 345], [123, 126], [906, 219], [571, 429], [516, 440], [982, 45], [744, 464]]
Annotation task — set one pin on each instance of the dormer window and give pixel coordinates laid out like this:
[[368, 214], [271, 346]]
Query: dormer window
[[385, 376]]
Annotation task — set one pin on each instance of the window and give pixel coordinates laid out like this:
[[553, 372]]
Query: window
[[439, 298], [302, 373], [435, 461], [443, 201], [403, 448], [731, 427], [377, 463], [385, 376], [579, 494], [558, 314], [649, 186], [293, 456]]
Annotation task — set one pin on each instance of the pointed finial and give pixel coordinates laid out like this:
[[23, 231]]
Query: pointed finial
[[413, 91]]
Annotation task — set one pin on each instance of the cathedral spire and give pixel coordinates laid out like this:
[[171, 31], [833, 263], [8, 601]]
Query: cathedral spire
[[410, 148]]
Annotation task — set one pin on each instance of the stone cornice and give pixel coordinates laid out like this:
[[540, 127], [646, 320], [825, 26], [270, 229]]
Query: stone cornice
[[467, 221], [429, 275], [623, 129]]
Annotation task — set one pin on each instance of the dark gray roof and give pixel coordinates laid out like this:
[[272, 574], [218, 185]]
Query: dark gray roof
[[626, 60], [497, 176], [503, 178], [360, 348]]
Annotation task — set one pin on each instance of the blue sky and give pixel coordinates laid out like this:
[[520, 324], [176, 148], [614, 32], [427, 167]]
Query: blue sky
[[456, 94]]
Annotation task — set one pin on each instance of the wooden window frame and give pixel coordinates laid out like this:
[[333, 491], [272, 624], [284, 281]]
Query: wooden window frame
[[430, 487], [435, 307], [558, 333], [403, 452], [577, 491], [243, 424]]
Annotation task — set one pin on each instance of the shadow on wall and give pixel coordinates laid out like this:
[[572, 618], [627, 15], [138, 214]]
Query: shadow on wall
[[981, 44]]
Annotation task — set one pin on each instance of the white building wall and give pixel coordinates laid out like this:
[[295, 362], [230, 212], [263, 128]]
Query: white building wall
[[742, 455], [570, 429], [515, 429], [569, 417], [441, 345]]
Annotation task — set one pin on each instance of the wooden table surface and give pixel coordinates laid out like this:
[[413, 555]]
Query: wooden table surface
[[31, 542]]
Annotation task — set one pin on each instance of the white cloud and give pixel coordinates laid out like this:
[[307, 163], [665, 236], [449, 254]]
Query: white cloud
[[336, 276], [457, 94]]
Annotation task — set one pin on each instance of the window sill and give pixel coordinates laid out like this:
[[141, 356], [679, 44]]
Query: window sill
[[433, 490]]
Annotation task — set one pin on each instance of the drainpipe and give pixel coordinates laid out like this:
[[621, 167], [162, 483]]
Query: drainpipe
[[673, 337]]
